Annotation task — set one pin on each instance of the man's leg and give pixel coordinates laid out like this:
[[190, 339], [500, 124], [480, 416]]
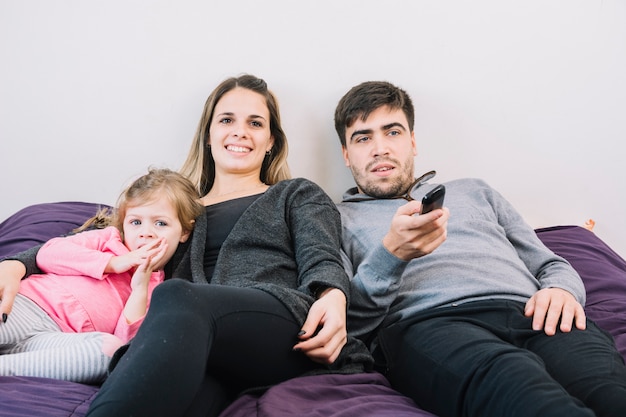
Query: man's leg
[[452, 363], [587, 364]]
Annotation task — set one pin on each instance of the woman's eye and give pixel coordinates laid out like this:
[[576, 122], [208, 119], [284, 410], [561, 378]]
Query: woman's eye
[[256, 123], [225, 120]]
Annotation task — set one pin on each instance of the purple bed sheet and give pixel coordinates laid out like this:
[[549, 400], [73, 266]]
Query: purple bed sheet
[[43, 397], [603, 272]]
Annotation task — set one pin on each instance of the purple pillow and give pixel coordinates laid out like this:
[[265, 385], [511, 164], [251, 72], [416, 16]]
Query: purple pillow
[[603, 272], [29, 396], [36, 224], [337, 395]]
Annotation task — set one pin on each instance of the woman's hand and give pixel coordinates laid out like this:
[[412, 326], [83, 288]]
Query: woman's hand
[[11, 273], [324, 332]]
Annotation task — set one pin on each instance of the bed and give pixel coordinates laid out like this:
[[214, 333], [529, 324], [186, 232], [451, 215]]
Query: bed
[[602, 269]]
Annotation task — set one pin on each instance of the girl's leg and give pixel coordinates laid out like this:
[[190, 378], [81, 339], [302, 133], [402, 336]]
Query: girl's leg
[[26, 320], [242, 337], [33, 345], [77, 357]]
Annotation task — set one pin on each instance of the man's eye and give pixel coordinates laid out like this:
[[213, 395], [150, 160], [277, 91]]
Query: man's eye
[[362, 139], [394, 133]]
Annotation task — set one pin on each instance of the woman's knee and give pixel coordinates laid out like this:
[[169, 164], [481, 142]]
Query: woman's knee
[[173, 290]]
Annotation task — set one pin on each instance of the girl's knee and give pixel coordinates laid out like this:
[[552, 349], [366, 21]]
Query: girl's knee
[[110, 344]]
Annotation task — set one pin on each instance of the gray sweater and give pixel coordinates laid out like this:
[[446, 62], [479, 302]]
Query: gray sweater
[[490, 253]]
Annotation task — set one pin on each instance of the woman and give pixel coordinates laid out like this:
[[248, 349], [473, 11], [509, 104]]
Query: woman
[[269, 247]]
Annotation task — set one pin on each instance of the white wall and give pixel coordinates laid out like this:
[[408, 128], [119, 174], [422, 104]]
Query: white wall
[[529, 95]]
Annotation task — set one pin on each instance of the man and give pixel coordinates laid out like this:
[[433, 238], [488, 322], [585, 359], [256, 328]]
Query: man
[[468, 312]]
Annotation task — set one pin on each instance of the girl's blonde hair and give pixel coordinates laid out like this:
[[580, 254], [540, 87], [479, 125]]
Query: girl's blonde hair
[[200, 166], [157, 183]]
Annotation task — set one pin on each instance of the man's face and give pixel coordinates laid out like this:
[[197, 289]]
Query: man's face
[[380, 152]]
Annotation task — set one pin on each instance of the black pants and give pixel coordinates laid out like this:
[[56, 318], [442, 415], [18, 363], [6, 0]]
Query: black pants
[[198, 345], [483, 359]]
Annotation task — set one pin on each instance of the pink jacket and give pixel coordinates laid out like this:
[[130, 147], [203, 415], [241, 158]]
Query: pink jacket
[[76, 292]]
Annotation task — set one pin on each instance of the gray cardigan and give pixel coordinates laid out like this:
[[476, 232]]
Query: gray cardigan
[[287, 243]]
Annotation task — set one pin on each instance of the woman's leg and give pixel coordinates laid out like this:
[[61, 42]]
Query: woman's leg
[[240, 336]]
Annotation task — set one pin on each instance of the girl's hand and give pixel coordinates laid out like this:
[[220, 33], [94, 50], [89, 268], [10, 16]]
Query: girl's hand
[[137, 303], [136, 257], [141, 277]]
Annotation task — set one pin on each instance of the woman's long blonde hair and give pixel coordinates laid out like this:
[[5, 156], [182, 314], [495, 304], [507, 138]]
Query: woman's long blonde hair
[[200, 166]]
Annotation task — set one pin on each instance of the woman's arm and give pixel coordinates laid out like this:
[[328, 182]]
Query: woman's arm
[[316, 227], [11, 273], [328, 315], [12, 270], [28, 259]]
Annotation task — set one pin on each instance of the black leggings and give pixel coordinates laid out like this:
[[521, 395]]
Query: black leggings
[[198, 345]]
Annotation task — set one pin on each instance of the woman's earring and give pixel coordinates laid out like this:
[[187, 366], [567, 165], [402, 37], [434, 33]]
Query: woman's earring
[[268, 153]]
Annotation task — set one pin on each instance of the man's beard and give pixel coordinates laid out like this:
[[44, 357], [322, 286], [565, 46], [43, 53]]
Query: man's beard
[[385, 187]]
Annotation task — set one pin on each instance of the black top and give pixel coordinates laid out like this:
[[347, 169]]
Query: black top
[[221, 218]]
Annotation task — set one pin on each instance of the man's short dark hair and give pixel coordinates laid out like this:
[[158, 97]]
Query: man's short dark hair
[[367, 97]]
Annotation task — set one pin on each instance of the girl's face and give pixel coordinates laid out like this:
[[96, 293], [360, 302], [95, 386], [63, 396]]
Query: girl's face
[[146, 223], [240, 132]]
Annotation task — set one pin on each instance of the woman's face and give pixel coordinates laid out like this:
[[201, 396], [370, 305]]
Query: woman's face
[[240, 132]]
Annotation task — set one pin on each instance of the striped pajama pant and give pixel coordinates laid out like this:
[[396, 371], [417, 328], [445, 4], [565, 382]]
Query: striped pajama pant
[[32, 344]]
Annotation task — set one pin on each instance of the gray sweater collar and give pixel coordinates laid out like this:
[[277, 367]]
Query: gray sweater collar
[[353, 195]]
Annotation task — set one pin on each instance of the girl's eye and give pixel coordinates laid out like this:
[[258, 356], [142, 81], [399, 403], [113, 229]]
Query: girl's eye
[[160, 223], [135, 222]]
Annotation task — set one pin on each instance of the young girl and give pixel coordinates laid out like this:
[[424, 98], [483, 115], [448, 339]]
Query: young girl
[[68, 322]]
